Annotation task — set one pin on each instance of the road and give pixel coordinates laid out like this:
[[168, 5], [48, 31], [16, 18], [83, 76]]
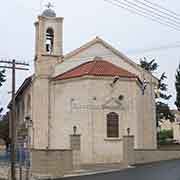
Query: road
[[168, 170]]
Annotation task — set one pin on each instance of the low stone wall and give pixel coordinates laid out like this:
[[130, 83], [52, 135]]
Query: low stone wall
[[169, 146], [51, 162], [141, 156], [146, 156]]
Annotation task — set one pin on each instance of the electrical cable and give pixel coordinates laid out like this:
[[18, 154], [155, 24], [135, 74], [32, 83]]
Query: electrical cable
[[143, 14]]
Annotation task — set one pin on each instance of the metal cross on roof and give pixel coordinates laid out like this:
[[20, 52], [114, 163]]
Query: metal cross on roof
[[49, 5]]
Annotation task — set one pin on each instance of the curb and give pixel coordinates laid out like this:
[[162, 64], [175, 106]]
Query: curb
[[95, 173]]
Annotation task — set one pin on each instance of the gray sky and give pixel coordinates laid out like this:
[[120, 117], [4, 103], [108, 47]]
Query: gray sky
[[83, 20]]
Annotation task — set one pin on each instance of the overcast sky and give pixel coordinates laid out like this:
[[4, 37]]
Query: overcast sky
[[83, 20]]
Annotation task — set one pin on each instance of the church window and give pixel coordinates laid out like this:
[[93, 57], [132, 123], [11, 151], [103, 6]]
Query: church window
[[112, 125], [49, 40]]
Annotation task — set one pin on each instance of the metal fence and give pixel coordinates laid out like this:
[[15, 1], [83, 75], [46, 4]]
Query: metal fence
[[22, 157]]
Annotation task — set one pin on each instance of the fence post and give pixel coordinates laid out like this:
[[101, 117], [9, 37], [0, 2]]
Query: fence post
[[75, 141], [128, 150]]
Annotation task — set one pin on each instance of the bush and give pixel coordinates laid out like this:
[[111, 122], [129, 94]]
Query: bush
[[165, 136]]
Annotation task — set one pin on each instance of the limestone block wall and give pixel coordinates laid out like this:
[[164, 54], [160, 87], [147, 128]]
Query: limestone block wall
[[128, 150], [145, 106], [98, 49], [40, 112], [104, 149], [79, 103], [76, 150], [51, 162], [146, 156], [45, 64], [41, 26], [142, 156], [148, 112]]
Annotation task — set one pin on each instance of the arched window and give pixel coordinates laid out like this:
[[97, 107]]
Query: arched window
[[112, 125], [49, 40]]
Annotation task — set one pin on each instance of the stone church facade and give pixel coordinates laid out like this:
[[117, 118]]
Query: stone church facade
[[95, 92]]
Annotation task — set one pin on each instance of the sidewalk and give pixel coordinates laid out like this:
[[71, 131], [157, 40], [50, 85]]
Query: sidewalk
[[4, 172], [85, 170], [95, 169]]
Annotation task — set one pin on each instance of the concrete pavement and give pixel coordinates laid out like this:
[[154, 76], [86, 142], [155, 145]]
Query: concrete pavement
[[167, 170]]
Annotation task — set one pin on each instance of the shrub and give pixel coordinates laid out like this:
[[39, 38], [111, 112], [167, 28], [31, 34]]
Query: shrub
[[165, 136]]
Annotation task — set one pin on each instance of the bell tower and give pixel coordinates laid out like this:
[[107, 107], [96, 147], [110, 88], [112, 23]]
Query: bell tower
[[48, 53], [48, 42]]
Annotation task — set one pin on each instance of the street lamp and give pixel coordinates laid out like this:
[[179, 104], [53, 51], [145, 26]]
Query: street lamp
[[74, 129], [128, 131]]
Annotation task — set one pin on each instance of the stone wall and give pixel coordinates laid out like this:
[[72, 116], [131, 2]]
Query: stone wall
[[141, 156], [145, 137], [146, 156], [128, 150], [75, 141], [51, 162], [79, 101], [83, 104]]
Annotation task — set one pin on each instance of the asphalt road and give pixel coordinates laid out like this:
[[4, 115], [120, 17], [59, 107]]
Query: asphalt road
[[168, 170]]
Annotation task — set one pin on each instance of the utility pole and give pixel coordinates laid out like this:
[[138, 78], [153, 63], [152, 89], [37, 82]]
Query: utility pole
[[13, 66]]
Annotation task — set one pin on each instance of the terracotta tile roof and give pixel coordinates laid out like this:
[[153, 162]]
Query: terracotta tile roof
[[95, 68]]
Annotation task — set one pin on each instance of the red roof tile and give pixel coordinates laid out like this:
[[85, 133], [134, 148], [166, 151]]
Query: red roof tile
[[95, 68]]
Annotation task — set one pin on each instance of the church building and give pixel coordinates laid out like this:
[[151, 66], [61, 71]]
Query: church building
[[94, 91]]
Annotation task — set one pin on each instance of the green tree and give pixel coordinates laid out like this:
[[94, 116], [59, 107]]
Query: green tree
[[177, 85], [148, 66], [4, 129], [162, 109], [165, 136]]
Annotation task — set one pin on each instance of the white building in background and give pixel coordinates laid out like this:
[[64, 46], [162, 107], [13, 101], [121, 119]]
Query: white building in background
[[176, 126]]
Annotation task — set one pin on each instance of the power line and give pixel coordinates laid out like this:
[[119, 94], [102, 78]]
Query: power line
[[161, 7], [134, 11], [145, 15], [159, 10], [149, 12], [19, 68], [17, 63], [160, 48], [13, 66]]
